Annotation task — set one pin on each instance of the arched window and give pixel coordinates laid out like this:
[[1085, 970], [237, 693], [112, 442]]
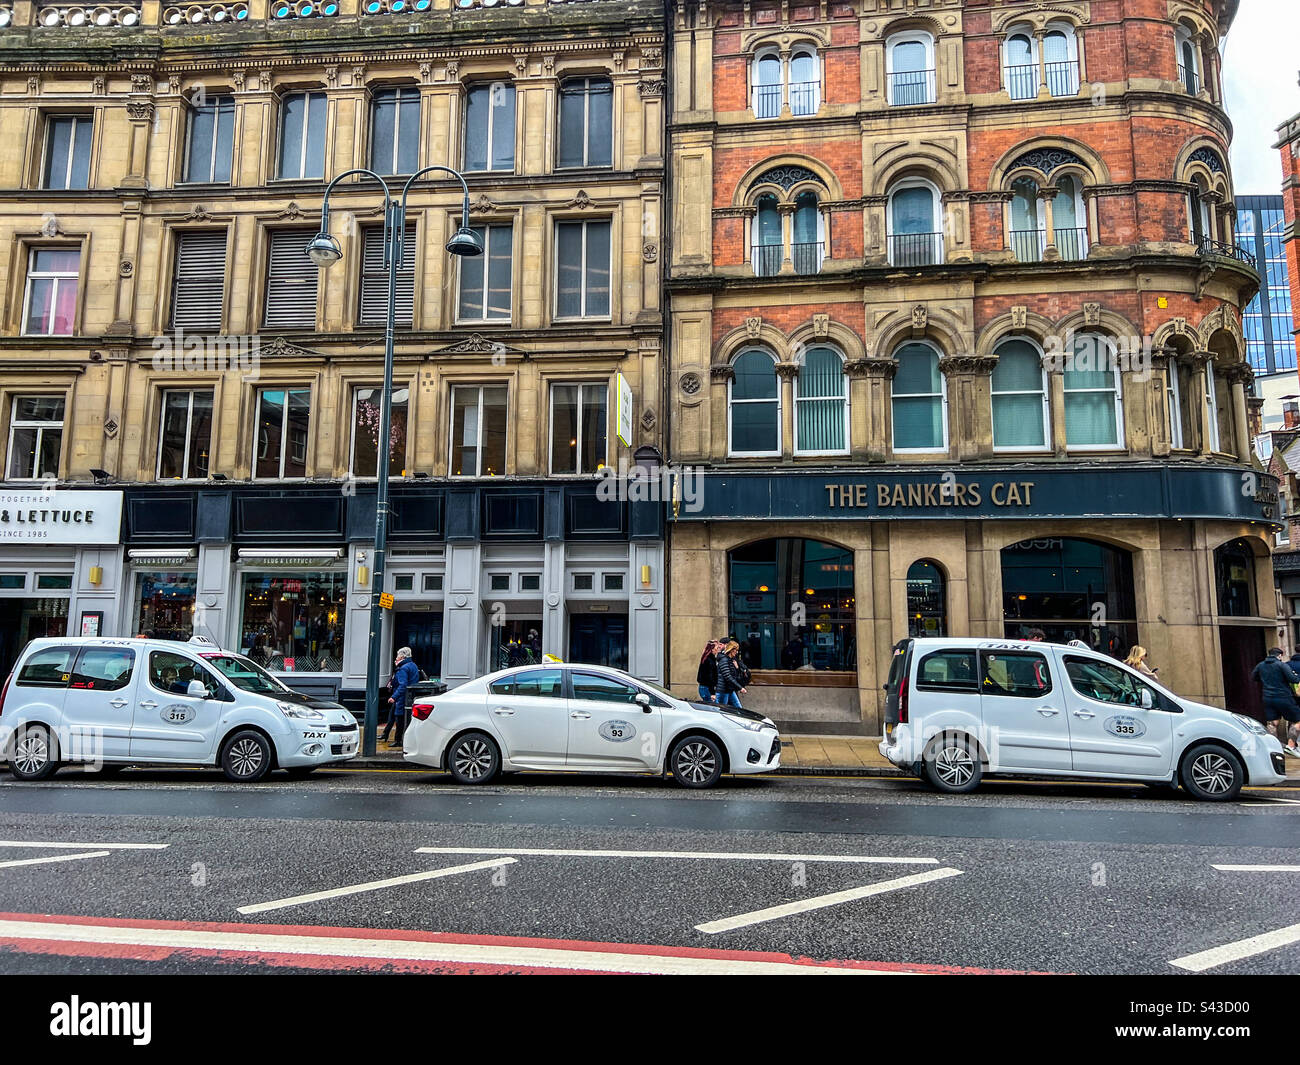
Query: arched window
[[805, 85], [1218, 405], [1028, 224], [927, 601], [919, 400], [1069, 227], [1234, 579], [1093, 411], [1180, 398], [754, 404], [1071, 590], [768, 85], [806, 245], [778, 81], [1061, 60], [1020, 65], [820, 411], [909, 69], [915, 233], [1198, 212], [1189, 58], [769, 243], [1020, 407], [792, 605]]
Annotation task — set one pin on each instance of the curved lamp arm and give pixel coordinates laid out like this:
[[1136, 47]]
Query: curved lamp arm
[[464, 242], [324, 250]]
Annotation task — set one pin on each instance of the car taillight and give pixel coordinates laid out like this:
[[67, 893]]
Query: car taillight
[[4, 692], [902, 701], [421, 711]]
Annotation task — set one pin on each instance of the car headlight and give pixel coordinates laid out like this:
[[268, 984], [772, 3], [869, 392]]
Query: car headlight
[[745, 723], [304, 713], [1251, 724]]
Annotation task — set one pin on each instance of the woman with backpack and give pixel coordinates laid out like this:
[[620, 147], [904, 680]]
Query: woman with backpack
[[733, 675], [706, 677]]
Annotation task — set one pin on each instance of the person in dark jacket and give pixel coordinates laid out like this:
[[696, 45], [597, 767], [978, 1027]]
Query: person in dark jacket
[[706, 677], [1278, 681], [405, 674], [731, 686]]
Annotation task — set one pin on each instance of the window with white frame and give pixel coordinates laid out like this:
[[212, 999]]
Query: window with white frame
[[395, 131], [210, 143], [821, 410], [478, 431], [366, 430], [490, 126], [485, 280], [283, 418], [302, 135], [1198, 212], [587, 122], [582, 261], [1174, 404], [67, 151], [1020, 64], [1093, 402], [909, 69], [373, 309], [919, 400], [1020, 403], [291, 281], [35, 437], [579, 427], [1061, 59], [915, 233], [51, 297], [199, 280], [754, 405], [1189, 58], [185, 435], [769, 84], [778, 81], [1211, 407]]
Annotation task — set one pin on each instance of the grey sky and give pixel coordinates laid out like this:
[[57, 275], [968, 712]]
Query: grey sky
[[1261, 64]]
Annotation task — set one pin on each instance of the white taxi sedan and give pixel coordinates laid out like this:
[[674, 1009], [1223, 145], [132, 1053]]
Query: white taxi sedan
[[585, 719]]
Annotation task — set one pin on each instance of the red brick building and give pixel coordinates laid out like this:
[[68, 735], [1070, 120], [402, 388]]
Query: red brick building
[[1289, 146], [954, 338]]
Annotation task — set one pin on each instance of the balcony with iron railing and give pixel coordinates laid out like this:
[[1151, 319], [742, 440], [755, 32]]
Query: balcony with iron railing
[[1030, 245], [767, 259], [907, 88], [1062, 77], [803, 97], [1022, 81], [915, 249], [1219, 249], [767, 101], [1190, 78], [806, 257]]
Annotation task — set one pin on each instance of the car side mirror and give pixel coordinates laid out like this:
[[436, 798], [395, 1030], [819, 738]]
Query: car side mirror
[[1147, 701], [197, 690], [643, 701]]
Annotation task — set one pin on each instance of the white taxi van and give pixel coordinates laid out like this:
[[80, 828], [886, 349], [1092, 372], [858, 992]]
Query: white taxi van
[[111, 703], [959, 709]]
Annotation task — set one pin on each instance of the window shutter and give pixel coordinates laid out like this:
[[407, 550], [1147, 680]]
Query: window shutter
[[291, 280], [199, 281], [374, 279]]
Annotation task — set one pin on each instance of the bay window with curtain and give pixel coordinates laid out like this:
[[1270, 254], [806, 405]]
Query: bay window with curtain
[[919, 400], [1093, 417], [1020, 399], [821, 412]]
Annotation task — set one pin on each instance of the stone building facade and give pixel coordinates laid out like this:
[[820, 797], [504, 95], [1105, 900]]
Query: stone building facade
[[165, 342], [954, 341]]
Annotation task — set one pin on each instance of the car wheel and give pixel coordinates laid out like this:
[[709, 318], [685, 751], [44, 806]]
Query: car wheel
[[33, 756], [1212, 774], [952, 764], [246, 758], [473, 758], [696, 762], [300, 771]]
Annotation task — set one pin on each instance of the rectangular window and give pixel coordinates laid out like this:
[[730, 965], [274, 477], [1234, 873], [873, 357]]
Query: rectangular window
[[612, 582], [947, 671], [52, 582], [210, 145], [374, 279], [199, 281], [485, 279], [1212, 407], [50, 667], [433, 582], [500, 582], [490, 127], [1014, 673], [579, 424], [478, 431], [530, 582], [302, 135], [166, 605], [582, 582], [586, 122], [291, 280], [103, 668], [67, 151], [51, 291], [35, 437], [582, 252], [366, 416], [185, 438], [404, 582], [293, 623], [395, 131], [1092, 418], [283, 417]]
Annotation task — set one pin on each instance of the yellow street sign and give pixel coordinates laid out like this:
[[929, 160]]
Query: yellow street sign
[[386, 601]]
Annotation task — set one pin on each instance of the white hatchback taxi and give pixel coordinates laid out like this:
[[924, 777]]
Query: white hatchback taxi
[[118, 702], [585, 719], [957, 709]]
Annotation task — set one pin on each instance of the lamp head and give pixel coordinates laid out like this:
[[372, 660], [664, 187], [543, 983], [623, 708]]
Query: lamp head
[[464, 243], [324, 250]]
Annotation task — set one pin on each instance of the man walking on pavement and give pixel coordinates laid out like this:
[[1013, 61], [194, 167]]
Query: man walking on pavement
[[1279, 682], [405, 674]]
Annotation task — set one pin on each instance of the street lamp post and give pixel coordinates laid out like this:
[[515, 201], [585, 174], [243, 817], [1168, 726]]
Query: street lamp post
[[324, 251]]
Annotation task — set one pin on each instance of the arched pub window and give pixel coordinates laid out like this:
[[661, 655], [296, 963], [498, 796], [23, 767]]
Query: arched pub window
[[1234, 579], [927, 600], [791, 605]]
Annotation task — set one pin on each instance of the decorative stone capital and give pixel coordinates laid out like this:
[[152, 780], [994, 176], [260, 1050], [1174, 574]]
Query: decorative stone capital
[[953, 365], [721, 372], [787, 371], [139, 110], [874, 367], [1239, 373]]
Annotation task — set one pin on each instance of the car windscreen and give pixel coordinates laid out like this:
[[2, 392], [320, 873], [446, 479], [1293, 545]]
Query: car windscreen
[[245, 674]]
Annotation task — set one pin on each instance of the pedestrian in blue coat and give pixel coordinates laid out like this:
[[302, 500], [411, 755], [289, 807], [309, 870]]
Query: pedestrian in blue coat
[[405, 674]]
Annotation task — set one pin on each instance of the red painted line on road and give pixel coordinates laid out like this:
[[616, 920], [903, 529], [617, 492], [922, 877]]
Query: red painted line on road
[[345, 961]]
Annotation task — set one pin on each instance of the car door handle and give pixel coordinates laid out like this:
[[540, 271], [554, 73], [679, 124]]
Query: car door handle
[[580, 715], [1048, 711], [118, 703], [149, 704], [1084, 713], [503, 711]]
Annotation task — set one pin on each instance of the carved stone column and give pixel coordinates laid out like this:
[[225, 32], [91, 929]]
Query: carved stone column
[[786, 372], [970, 427], [879, 422], [1046, 196], [1055, 367], [859, 397], [1159, 413], [1239, 375], [786, 211], [139, 112], [1205, 433]]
